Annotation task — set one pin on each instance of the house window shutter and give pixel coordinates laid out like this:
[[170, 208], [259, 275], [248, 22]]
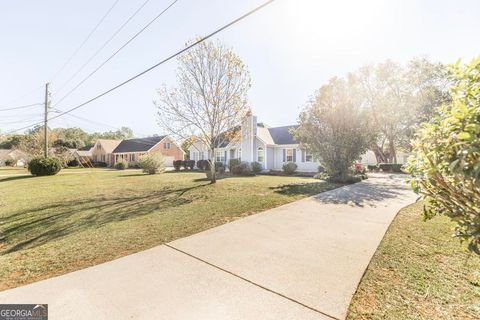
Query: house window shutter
[[225, 158], [294, 155], [284, 155], [303, 155]]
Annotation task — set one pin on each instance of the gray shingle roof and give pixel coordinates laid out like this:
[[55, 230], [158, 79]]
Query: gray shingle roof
[[138, 144], [282, 135]]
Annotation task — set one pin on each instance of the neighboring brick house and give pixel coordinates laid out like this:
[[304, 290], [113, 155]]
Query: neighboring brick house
[[132, 149], [19, 158], [102, 151]]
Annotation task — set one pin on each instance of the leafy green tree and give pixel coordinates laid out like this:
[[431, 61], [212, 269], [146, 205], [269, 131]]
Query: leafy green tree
[[446, 163], [398, 99], [335, 128]]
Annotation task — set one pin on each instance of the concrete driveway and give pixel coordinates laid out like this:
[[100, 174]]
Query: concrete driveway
[[303, 260]]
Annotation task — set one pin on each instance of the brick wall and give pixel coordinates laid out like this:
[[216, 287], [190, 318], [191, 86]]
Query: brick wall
[[174, 150]]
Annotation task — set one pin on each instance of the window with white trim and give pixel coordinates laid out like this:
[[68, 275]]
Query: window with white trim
[[289, 155], [260, 154], [219, 156], [166, 145]]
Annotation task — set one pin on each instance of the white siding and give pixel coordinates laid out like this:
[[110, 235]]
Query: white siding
[[302, 166]]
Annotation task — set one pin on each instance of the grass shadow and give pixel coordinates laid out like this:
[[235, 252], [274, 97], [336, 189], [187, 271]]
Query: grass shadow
[[40, 225], [5, 179]]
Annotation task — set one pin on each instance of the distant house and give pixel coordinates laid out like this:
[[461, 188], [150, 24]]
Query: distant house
[[132, 149], [83, 155], [102, 151], [20, 158]]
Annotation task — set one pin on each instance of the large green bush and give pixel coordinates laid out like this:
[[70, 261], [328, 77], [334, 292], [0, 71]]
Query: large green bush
[[256, 167], [233, 163], [289, 168], [41, 166], [177, 164], [242, 169], [203, 165], [445, 165], [152, 163], [390, 167]]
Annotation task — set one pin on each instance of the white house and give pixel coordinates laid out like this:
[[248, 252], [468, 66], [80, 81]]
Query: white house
[[270, 146]]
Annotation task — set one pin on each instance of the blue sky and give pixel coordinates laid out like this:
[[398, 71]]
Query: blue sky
[[291, 48]]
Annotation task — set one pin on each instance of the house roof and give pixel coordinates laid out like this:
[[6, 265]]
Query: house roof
[[109, 145], [5, 154], [282, 135], [138, 144], [86, 148], [11, 154]]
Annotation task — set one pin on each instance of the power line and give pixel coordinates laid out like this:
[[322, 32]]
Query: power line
[[86, 120], [102, 47], [161, 62], [85, 40], [22, 107]]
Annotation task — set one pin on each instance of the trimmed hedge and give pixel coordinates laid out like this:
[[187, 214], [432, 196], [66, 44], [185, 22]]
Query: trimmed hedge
[[188, 164], [289, 168], [233, 163], [390, 167], [256, 167], [44, 166], [99, 164], [243, 169], [177, 164], [73, 163], [203, 165], [373, 167]]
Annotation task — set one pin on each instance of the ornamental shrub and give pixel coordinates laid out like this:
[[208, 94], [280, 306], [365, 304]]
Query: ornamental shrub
[[152, 163], [189, 164], [242, 169], [10, 163], [177, 164], [289, 168], [121, 164], [390, 167], [232, 163], [41, 166], [256, 167], [219, 167], [73, 163], [373, 167], [445, 164], [203, 165]]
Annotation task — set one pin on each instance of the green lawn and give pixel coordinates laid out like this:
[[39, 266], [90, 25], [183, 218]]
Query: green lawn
[[419, 272], [81, 217]]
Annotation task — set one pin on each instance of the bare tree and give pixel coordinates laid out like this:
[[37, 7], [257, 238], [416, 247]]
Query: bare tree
[[210, 100]]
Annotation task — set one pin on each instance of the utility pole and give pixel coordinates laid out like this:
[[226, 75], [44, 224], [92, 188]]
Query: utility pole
[[45, 128]]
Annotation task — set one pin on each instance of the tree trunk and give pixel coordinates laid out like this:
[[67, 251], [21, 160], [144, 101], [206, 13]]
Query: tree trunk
[[392, 151], [379, 154], [213, 173]]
